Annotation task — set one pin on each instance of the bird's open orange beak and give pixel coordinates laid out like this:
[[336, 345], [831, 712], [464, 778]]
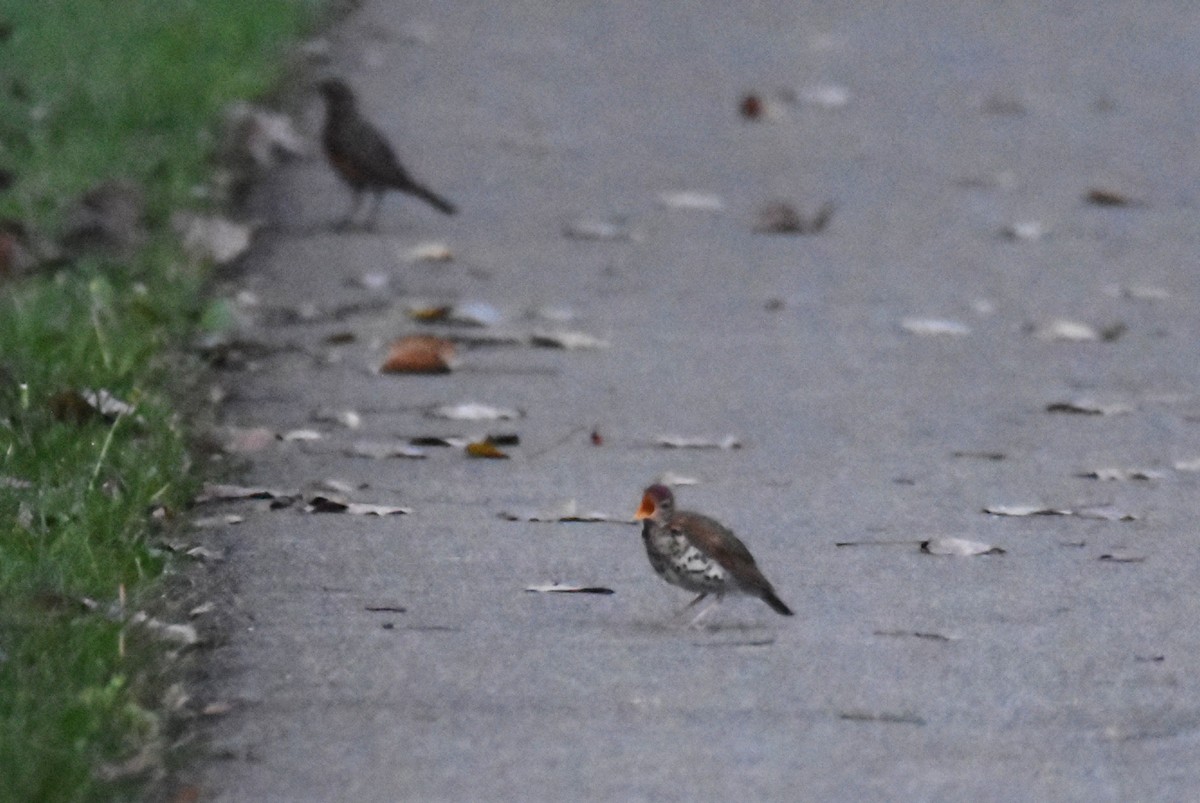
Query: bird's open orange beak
[[646, 510]]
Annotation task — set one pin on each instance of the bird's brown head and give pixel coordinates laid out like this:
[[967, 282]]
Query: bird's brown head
[[658, 503], [336, 92]]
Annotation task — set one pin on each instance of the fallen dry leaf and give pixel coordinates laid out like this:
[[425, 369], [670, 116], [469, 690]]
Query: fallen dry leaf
[[934, 327], [1063, 329], [1088, 407], [347, 418], [467, 313], [676, 442], [300, 435], [1104, 196], [382, 450], [474, 411], [420, 354], [562, 588], [1111, 474], [1101, 512], [217, 492], [567, 340], [1122, 557], [325, 504], [960, 547], [1025, 230], [781, 217], [913, 634], [486, 450], [204, 553], [567, 511], [882, 716], [223, 520]]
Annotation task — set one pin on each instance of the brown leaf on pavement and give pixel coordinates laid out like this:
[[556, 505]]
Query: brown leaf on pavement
[[486, 450], [420, 354]]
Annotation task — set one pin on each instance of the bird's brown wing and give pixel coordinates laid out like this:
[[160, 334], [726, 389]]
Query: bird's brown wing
[[719, 543], [363, 154]]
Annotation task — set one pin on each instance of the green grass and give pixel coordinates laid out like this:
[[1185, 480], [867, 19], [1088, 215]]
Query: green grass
[[90, 90]]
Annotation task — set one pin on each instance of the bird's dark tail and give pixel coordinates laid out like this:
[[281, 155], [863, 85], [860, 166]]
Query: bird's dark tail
[[433, 199], [776, 603]]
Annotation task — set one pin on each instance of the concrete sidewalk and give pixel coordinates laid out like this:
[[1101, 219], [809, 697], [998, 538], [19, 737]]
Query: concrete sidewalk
[[1049, 672]]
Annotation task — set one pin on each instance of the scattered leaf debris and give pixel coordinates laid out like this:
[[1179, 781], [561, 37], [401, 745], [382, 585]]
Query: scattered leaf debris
[[882, 716], [1122, 557], [781, 217], [486, 450], [568, 340], [912, 634], [468, 313], [326, 504], [218, 492], [1066, 330], [1105, 196], [564, 588], [1118, 474], [474, 411], [979, 455], [567, 511], [933, 327], [1088, 407], [223, 520], [1024, 231], [1100, 512], [752, 107], [678, 442], [382, 450], [300, 435], [350, 419], [420, 354], [960, 547]]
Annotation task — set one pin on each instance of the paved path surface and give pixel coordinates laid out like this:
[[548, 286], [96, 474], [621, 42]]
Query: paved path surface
[[1048, 672]]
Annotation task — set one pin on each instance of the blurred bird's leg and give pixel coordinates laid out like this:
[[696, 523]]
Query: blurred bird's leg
[[705, 611], [692, 604], [348, 220], [373, 215]]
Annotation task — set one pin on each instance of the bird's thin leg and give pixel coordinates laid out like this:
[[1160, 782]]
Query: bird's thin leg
[[348, 220], [707, 609], [374, 214], [694, 602]]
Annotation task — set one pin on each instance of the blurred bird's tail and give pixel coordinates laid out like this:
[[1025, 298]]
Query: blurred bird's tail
[[776, 603], [433, 199]]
